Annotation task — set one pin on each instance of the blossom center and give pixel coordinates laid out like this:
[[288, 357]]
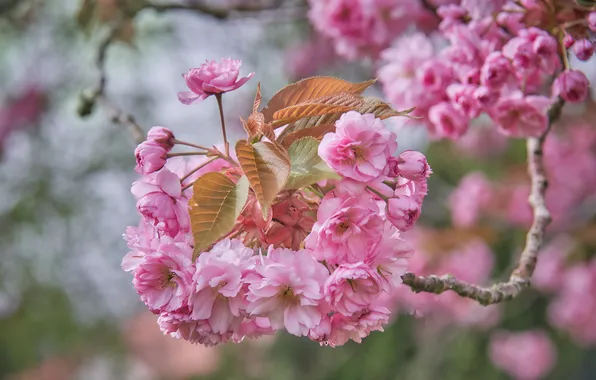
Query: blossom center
[[342, 227], [167, 280], [359, 152]]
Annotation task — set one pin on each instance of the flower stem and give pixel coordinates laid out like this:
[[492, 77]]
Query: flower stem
[[202, 165], [223, 123], [186, 154], [189, 144], [378, 193]]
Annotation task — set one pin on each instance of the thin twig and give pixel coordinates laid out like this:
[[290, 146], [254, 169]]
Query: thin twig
[[98, 95], [521, 275]]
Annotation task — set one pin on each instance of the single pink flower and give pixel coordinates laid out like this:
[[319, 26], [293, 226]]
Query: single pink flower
[[164, 279], [571, 85], [592, 21], [150, 156], [521, 116], [402, 212], [463, 98], [413, 165], [160, 201], [528, 355], [391, 258], [346, 230], [219, 279], [496, 71], [448, 121], [162, 136], [352, 288], [288, 290], [356, 327], [359, 148], [583, 49], [212, 78]]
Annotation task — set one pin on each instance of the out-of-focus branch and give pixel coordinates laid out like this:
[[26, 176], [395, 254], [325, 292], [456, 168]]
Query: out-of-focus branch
[[96, 95], [521, 275]]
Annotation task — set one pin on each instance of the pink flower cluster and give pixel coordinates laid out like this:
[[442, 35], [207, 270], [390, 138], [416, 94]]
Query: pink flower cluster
[[492, 65], [321, 278], [527, 355], [363, 27]]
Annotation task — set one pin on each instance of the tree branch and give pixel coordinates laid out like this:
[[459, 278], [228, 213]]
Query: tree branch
[[210, 10], [97, 94], [521, 275]]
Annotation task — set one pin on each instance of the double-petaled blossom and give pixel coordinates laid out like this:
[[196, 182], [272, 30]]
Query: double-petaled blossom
[[150, 156], [355, 327], [287, 289], [359, 148], [448, 121], [212, 78], [220, 285], [518, 116], [160, 201], [164, 278], [352, 288], [571, 85], [347, 230]]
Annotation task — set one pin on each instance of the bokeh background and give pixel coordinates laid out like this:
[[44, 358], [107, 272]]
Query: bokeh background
[[68, 311]]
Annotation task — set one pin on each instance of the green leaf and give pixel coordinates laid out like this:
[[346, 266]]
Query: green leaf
[[215, 205], [267, 167], [306, 165]]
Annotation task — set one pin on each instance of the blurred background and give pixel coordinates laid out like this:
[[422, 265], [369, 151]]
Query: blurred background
[[68, 311]]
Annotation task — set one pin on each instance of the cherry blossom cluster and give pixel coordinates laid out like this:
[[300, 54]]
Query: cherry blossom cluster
[[492, 58], [318, 265]]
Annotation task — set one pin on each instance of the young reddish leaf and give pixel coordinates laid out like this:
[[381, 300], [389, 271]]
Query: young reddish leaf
[[316, 132], [330, 104], [381, 109], [267, 167], [306, 165], [257, 102], [309, 89], [215, 205]]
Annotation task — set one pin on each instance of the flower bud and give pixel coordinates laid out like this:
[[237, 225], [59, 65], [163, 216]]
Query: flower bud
[[413, 165], [592, 21], [162, 136], [583, 49], [150, 156], [402, 212], [571, 85]]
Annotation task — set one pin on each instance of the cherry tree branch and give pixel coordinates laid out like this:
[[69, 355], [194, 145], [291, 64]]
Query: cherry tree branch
[[521, 275], [89, 99]]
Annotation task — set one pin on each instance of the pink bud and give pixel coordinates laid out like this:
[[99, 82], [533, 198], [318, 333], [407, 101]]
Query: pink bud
[[162, 136], [592, 21], [151, 157], [413, 165], [571, 85], [545, 45], [402, 212], [392, 166], [583, 49], [568, 41]]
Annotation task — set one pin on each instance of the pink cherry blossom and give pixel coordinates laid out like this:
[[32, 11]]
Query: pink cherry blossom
[[151, 157], [592, 21], [402, 212], [212, 78], [162, 136], [346, 230], [527, 355], [448, 121], [140, 240], [496, 71], [464, 99], [179, 325], [413, 165], [164, 278], [352, 287], [518, 116], [469, 199], [583, 49], [160, 201], [482, 8], [571, 85], [357, 326], [359, 148], [391, 258], [219, 280], [288, 290]]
